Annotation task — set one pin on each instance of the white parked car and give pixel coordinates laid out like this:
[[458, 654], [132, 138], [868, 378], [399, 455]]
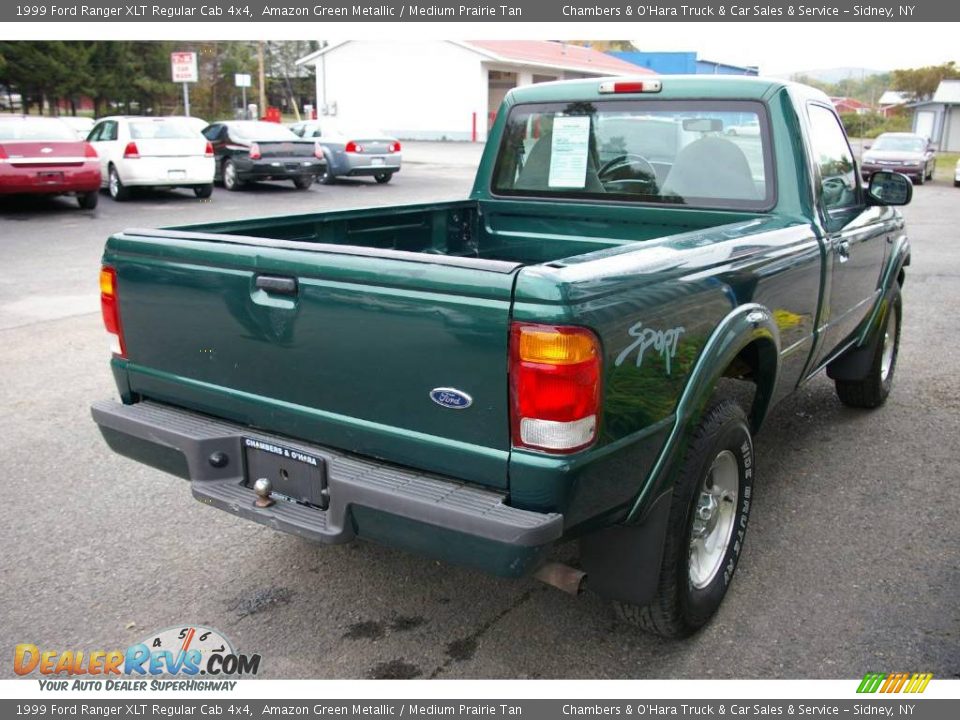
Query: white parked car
[[152, 152], [80, 125]]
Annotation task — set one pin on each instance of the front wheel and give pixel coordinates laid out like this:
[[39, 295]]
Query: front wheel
[[203, 191], [383, 178], [872, 390], [708, 521], [303, 182], [88, 200], [921, 178]]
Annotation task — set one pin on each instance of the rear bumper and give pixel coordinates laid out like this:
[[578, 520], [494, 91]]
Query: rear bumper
[[167, 171], [279, 168], [360, 164], [49, 180], [429, 514]]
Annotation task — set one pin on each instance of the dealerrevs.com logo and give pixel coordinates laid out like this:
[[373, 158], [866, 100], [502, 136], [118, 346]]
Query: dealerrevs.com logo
[[180, 658]]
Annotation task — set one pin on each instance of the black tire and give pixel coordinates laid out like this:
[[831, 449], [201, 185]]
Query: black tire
[[383, 178], [956, 183], [231, 180], [303, 182], [118, 191], [681, 606], [872, 390], [921, 178], [326, 177], [203, 191], [88, 200]]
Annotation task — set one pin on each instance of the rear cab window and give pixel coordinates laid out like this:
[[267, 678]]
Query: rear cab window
[[697, 153]]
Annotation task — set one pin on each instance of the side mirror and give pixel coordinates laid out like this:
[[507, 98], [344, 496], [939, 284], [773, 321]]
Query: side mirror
[[889, 188]]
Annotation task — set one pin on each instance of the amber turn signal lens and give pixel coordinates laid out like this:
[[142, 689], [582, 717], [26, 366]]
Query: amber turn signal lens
[[546, 345], [107, 277]]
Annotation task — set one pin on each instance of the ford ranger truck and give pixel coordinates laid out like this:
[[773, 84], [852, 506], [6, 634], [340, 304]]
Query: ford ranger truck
[[582, 349]]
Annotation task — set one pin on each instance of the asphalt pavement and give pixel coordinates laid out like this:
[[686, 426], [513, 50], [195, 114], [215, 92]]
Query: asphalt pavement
[[851, 564]]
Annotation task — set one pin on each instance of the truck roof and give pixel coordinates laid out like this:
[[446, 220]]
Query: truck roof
[[712, 87]]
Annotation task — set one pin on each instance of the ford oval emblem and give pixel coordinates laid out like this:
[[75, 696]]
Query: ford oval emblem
[[451, 398]]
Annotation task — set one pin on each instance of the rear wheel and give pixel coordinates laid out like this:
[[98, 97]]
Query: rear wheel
[[303, 182], [88, 200], [383, 178], [872, 390], [118, 191], [231, 181], [203, 191], [708, 520]]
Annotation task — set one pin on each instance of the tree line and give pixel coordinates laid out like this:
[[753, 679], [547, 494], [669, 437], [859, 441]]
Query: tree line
[[58, 77]]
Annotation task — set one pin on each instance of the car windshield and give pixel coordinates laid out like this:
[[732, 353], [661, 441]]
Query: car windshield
[[901, 144], [684, 152], [262, 131], [38, 130], [161, 130]]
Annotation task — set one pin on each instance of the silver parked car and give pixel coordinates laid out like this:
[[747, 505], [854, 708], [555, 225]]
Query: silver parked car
[[352, 151]]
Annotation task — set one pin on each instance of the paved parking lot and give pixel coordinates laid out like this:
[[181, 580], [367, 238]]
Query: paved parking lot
[[851, 564]]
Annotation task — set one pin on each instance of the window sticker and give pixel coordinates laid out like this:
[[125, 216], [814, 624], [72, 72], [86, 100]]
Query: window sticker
[[568, 156]]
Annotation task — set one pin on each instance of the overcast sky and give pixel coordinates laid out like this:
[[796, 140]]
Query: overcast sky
[[787, 47]]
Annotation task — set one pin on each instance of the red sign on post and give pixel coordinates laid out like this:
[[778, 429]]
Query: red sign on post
[[183, 66]]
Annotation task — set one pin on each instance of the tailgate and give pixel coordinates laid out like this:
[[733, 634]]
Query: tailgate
[[337, 346]]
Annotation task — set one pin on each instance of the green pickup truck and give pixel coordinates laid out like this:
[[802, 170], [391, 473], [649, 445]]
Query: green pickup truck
[[583, 349]]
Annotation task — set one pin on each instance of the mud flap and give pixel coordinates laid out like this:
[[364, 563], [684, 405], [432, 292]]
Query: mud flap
[[622, 562]]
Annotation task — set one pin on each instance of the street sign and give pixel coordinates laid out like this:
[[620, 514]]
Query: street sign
[[183, 66], [241, 80]]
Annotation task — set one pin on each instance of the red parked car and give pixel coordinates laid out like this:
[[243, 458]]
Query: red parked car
[[43, 156]]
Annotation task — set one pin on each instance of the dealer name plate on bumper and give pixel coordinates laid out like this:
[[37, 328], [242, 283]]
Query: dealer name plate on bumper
[[293, 474]]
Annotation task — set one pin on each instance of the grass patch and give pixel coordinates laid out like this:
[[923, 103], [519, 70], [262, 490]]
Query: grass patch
[[946, 163]]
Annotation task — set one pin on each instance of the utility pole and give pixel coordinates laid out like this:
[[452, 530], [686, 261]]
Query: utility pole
[[263, 86]]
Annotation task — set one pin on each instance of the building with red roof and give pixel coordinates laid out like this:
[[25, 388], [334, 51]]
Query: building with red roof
[[442, 89]]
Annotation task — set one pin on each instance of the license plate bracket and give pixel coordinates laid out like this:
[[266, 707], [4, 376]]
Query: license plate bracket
[[293, 474], [377, 161]]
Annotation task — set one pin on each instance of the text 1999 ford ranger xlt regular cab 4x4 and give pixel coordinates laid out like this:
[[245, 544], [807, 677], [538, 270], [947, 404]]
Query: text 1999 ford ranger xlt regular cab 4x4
[[563, 355]]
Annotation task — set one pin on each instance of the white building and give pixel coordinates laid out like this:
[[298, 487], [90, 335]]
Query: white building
[[436, 89], [939, 117]]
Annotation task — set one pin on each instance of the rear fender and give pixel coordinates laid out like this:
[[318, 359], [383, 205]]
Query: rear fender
[[623, 561], [747, 324]]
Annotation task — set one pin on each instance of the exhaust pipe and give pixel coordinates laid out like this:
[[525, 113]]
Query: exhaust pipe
[[563, 577]]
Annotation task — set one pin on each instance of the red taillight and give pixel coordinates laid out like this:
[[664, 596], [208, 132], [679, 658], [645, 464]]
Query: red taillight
[[631, 86], [88, 151], [395, 147], [110, 309], [318, 151], [130, 152], [353, 146], [208, 150], [255, 151], [554, 387]]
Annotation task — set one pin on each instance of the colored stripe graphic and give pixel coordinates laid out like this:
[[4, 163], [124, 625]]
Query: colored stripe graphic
[[894, 682]]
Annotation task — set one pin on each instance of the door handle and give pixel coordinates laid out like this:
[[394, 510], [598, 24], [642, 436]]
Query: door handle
[[843, 250], [277, 284]]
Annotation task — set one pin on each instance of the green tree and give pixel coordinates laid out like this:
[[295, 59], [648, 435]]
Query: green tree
[[921, 83]]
